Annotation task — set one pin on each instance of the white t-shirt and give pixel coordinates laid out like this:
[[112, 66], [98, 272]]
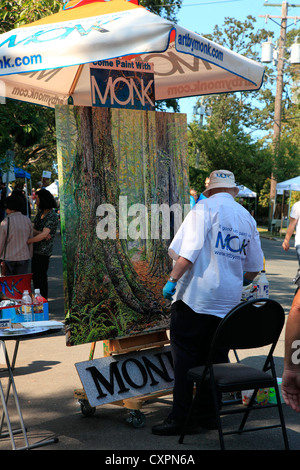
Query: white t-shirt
[[295, 214], [220, 238]]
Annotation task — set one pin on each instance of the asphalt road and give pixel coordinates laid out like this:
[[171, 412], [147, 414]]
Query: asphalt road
[[46, 378]]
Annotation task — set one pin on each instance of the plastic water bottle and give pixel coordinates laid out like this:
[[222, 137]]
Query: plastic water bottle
[[38, 305], [262, 286], [26, 306]]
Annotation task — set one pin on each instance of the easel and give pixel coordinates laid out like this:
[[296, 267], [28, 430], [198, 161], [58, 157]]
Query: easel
[[124, 345]]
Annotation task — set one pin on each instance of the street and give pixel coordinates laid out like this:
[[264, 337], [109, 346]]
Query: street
[[46, 378]]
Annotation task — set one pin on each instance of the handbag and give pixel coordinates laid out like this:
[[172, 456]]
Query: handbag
[[3, 265]]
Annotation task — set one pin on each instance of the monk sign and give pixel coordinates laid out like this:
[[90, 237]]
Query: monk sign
[[119, 83], [123, 376]]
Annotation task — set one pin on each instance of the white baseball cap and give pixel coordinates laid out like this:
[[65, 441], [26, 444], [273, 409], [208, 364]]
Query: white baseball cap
[[221, 179]]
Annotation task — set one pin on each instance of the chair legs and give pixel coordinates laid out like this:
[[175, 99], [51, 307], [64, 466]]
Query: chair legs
[[247, 411], [280, 412], [188, 419], [243, 422], [217, 413], [281, 417]]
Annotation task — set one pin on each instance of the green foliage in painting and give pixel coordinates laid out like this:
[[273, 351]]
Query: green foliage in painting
[[113, 283]]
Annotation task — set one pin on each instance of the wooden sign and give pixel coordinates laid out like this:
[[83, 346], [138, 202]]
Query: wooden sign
[[123, 376]]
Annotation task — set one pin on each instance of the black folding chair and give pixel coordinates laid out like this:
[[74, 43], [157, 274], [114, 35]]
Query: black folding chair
[[251, 324]]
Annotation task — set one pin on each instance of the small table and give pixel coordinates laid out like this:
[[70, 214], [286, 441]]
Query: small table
[[19, 334]]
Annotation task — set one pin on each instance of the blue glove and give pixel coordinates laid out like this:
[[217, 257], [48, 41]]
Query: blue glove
[[169, 290]]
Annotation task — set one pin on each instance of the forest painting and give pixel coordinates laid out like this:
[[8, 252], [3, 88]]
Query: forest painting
[[120, 171]]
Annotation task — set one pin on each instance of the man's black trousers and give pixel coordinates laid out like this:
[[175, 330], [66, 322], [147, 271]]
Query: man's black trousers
[[191, 334]]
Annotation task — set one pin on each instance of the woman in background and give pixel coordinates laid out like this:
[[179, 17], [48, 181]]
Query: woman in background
[[44, 230], [15, 230]]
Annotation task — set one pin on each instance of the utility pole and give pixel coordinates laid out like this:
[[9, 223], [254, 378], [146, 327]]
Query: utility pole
[[278, 97]]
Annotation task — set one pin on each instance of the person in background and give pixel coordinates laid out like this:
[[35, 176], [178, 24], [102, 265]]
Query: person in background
[[44, 230], [290, 386], [15, 230], [193, 197], [293, 225], [33, 199], [27, 208], [2, 200], [202, 194], [217, 242]]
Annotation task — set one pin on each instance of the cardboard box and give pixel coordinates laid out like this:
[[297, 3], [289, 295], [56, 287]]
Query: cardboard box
[[14, 286]]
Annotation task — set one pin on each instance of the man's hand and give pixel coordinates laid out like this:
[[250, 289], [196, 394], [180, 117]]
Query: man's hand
[[285, 245], [290, 388], [289, 233], [169, 290]]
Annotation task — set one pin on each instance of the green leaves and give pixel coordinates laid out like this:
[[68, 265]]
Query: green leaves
[[164, 8], [15, 13], [238, 134]]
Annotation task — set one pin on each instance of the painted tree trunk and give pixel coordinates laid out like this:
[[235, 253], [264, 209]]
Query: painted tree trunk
[[113, 284]]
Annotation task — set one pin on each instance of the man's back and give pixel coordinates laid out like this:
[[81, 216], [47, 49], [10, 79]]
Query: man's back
[[220, 238]]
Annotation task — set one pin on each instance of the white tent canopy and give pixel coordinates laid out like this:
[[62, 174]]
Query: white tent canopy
[[289, 185], [245, 192], [53, 188], [48, 62], [292, 184]]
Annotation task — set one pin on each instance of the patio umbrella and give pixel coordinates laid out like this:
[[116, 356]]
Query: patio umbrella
[[48, 62]]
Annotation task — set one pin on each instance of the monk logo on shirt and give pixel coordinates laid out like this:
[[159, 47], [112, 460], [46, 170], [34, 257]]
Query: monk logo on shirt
[[232, 243]]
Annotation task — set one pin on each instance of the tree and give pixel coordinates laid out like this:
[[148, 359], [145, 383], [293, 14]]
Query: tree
[[27, 129], [164, 8], [231, 136], [246, 108], [106, 292], [14, 13], [169, 10]]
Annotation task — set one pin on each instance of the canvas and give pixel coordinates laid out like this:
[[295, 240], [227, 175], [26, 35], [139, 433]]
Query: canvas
[[123, 182]]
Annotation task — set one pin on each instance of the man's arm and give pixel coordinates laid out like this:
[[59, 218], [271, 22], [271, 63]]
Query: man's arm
[[289, 233], [180, 267], [250, 276]]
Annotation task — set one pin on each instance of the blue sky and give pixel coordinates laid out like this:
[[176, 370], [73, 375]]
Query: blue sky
[[201, 16]]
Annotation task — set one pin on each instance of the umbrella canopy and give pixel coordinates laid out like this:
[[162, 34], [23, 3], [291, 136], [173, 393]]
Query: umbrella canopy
[[48, 61], [292, 184]]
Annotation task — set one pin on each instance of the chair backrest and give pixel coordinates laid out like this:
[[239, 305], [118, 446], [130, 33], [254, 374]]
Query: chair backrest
[[251, 324]]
